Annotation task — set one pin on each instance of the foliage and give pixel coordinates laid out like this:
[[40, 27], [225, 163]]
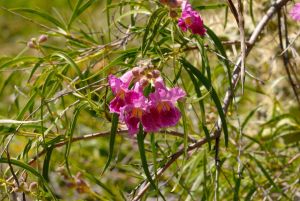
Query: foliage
[[60, 142]]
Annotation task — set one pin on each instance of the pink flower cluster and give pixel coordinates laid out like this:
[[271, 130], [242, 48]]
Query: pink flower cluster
[[154, 111], [191, 20], [295, 12]]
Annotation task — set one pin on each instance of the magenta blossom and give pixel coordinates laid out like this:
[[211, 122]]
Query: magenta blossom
[[191, 20], [295, 12], [161, 111], [154, 112], [123, 94], [132, 114]]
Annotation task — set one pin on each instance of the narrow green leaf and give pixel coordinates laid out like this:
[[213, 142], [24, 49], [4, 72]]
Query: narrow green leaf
[[44, 16], [251, 12], [223, 58], [71, 132], [185, 129], [18, 61], [197, 86], [205, 82], [210, 6], [29, 104], [46, 163], [78, 10], [113, 133], [265, 172], [249, 117], [99, 183], [237, 186], [152, 28], [70, 61], [141, 145]]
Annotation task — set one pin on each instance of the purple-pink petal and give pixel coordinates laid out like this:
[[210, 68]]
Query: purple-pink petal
[[131, 121], [169, 117], [115, 83], [295, 12], [124, 98], [150, 120]]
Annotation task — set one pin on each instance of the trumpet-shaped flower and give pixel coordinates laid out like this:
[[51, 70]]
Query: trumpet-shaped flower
[[162, 107], [295, 12], [191, 20], [154, 111]]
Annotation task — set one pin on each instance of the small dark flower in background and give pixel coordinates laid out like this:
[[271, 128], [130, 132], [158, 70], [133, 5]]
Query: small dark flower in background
[[190, 19]]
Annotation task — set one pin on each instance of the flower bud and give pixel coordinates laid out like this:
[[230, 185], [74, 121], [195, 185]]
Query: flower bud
[[43, 38], [173, 14], [33, 186], [149, 75], [31, 44], [155, 73], [144, 82], [136, 71]]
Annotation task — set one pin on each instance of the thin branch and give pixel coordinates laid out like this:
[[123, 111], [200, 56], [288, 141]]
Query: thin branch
[[243, 41], [102, 134], [233, 10], [285, 56]]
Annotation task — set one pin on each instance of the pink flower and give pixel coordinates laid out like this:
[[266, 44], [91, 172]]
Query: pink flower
[[161, 111], [123, 94], [132, 114], [154, 111], [191, 20], [295, 12]]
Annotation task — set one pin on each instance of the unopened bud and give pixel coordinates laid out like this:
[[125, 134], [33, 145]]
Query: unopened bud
[[173, 14], [24, 186], [136, 71], [33, 186], [155, 73], [43, 38], [142, 71], [31, 44], [144, 82], [149, 75]]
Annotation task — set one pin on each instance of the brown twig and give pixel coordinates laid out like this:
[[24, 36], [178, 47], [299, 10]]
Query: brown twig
[[285, 56], [102, 134], [233, 10], [243, 42]]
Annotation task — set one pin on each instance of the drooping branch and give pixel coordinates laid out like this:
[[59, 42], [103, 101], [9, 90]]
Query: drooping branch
[[229, 93]]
